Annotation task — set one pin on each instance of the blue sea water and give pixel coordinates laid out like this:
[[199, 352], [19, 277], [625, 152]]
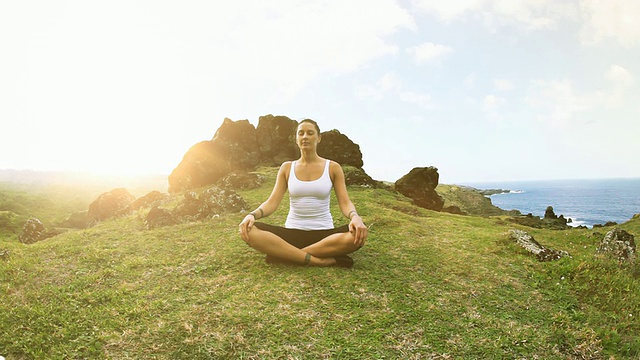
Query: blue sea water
[[586, 202]]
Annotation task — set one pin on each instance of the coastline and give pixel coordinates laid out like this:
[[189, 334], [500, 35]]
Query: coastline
[[587, 202]]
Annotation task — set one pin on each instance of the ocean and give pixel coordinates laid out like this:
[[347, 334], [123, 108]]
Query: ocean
[[586, 202]]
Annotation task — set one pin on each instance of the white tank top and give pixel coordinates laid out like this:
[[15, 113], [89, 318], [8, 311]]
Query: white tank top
[[309, 202]]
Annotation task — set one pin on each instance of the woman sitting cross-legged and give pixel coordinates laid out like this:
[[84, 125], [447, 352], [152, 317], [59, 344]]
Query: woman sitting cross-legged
[[309, 236]]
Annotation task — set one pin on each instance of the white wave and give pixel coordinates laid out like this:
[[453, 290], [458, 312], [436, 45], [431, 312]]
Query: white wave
[[576, 222]]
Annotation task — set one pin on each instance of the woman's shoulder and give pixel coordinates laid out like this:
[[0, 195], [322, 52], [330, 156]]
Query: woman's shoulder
[[334, 165], [285, 167]]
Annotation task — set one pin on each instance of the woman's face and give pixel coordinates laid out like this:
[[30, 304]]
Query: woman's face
[[307, 136]]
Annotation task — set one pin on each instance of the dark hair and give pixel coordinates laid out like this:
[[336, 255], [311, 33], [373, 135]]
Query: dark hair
[[311, 122]]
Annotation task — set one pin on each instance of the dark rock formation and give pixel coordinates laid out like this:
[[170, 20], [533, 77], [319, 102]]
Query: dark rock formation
[[213, 201], [608, 223], [201, 165], [356, 176], [113, 203], [239, 147], [153, 198], [276, 136], [159, 217], [452, 209], [232, 148], [236, 142], [549, 214], [240, 181], [32, 231], [489, 192], [419, 185], [619, 244], [339, 148], [527, 241]]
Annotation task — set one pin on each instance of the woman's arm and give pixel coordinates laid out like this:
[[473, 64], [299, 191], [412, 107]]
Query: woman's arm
[[270, 205], [356, 225]]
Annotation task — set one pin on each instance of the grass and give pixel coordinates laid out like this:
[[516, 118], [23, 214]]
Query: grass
[[428, 285]]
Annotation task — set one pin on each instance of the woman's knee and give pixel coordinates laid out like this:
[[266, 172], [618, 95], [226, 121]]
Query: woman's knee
[[251, 234], [349, 242]]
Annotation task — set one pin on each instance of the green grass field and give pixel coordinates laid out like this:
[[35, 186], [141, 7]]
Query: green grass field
[[427, 285]]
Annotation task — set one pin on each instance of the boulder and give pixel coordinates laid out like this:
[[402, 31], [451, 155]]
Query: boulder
[[452, 209], [339, 148], [236, 142], [543, 253], [240, 181], [213, 201], [32, 231], [233, 147], [419, 185], [357, 176], [200, 166], [276, 137], [113, 203], [549, 213], [619, 244], [158, 217], [153, 198]]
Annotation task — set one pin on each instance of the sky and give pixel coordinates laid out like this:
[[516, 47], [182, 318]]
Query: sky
[[483, 90]]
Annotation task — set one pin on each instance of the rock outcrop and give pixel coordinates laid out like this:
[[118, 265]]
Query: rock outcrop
[[113, 203], [466, 200], [419, 185], [32, 231], [276, 136], [541, 252], [339, 148], [153, 198], [619, 244], [238, 147], [356, 176], [158, 217], [209, 204]]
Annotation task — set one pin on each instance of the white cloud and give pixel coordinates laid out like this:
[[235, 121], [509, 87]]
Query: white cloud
[[389, 85], [492, 102], [420, 99], [621, 81], [557, 102], [619, 76], [503, 84], [429, 51], [470, 81], [530, 14], [378, 91], [611, 19], [447, 10], [599, 20]]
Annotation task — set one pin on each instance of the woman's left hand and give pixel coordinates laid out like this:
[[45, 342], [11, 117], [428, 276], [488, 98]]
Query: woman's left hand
[[359, 230]]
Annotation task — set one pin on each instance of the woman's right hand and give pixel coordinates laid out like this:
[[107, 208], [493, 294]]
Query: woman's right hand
[[245, 226]]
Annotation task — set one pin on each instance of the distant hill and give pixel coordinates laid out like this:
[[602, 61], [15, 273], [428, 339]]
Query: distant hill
[[136, 184], [470, 200]]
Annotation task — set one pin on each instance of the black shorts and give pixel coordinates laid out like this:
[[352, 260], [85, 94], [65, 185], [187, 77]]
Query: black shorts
[[300, 238]]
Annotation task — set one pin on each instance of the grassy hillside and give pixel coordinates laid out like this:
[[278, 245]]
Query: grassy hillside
[[52, 197], [428, 285]]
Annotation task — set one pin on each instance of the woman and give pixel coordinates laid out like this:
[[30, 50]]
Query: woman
[[309, 237]]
